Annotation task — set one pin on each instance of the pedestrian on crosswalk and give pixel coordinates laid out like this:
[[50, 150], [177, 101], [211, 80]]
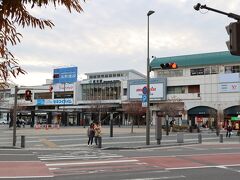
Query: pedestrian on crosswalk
[[91, 134]]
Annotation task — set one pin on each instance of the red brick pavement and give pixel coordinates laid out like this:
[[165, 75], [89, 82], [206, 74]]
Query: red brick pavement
[[24, 169]]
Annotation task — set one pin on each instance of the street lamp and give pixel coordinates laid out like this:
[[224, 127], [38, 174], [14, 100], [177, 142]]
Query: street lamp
[[148, 89]]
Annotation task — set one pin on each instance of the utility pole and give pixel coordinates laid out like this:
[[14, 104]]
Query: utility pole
[[148, 85]]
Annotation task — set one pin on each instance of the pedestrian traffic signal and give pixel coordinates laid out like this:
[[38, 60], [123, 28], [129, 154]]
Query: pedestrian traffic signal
[[28, 95], [233, 30], [172, 65]]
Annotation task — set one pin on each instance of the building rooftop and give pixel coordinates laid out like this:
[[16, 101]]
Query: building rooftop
[[214, 58], [118, 71]]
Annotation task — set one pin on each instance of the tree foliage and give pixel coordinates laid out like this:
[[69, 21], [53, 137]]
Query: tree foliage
[[14, 13]]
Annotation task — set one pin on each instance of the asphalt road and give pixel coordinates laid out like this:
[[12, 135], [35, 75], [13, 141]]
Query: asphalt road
[[204, 161], [66, 156]]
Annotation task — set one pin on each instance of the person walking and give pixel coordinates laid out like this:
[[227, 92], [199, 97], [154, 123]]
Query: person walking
[[97, 132], [91, 133], [229, 131]]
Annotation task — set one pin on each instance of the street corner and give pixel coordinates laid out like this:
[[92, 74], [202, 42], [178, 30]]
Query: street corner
[[23, 169]]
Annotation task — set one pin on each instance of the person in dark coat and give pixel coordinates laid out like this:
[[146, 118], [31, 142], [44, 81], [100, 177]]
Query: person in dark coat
[[229, 131], [91, 134]]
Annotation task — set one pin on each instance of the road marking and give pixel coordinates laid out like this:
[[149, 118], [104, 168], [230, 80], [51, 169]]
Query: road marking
[[227, 168], [48, 143], [165, 177], [25, 177], [202, 167], [92, 162], [77, 158], [16, 154]]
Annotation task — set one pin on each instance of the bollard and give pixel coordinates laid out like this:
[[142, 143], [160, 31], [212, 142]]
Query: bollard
[[221, 138], [99, 142], [22, 141], [200, 138], [180, 137]]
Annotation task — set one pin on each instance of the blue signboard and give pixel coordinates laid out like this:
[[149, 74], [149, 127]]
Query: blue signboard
[[144, 100], [66, 101], [65, 75]]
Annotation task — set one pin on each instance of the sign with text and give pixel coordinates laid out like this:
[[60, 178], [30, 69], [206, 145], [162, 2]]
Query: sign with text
[[65, 101], [63, 87], [144, 100], [229, 87], [156, 91], [65, 75]]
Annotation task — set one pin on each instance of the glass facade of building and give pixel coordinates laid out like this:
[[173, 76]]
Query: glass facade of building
[[109, 90]]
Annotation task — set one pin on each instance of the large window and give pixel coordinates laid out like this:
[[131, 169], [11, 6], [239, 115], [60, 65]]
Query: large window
[[170, 73], [232, 69], [46, 95], [102, 91], [204, 71], [194, 89], [176, 90], [61, 95]]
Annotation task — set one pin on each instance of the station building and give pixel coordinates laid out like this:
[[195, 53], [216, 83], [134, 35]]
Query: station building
[[208, 85], [203, 91]]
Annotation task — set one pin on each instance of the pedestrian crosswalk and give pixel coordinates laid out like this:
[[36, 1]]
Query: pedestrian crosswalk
[[88, 161], [79, 155]]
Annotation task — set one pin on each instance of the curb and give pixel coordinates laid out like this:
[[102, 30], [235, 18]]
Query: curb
[[148, 147], [9, 147]]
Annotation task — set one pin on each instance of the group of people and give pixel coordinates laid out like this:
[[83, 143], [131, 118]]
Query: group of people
[[94, 132]]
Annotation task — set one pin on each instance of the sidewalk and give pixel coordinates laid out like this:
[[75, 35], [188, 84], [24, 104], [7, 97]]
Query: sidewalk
[[123, 132]]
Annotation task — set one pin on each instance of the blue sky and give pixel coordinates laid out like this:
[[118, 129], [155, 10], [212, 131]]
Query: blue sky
[[112, 35]]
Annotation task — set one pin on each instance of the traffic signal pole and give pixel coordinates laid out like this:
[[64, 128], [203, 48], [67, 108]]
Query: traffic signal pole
[[198, 6], [233, 29], [14, 120], [15, 116]]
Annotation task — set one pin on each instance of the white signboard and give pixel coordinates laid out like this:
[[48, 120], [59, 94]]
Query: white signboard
[[229, 87], [54, 101], [156, 91], [227, 78], [63, 87]]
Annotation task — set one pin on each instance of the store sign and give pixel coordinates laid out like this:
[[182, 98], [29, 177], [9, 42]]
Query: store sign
[[229, 87], [65, 75], [63, 87], [228, 78], [65, 101], [235, 118], [156, 91]]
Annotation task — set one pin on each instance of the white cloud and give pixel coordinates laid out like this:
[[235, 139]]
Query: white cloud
[[112, 35]]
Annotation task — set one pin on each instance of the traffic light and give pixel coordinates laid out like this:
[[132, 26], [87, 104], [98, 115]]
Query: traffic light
[[172, 65], [28, 95], [233, 30]]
